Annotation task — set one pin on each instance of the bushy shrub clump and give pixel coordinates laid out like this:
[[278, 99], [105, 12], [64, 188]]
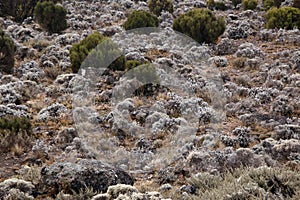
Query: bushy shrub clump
[[271, 3], [249, 4], [141, 18], [201, 25], [296, 4], [50, 16], [147, 75], [7, 52], [19, 9], [284, 17], [268, 4], [14, 131], [248, 183], [236, 2], [157, 6], [218, 5], [102, 54], [130, 64]]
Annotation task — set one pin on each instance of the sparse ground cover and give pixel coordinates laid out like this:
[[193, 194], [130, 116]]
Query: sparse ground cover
[[254, 154]]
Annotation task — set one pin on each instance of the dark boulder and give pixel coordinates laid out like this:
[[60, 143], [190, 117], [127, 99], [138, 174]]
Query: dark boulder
[[74, 177]]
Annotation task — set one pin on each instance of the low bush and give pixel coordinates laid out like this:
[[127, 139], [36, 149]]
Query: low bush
[[146, 74], [236, 2], [157, 6], [130, 64], [19, 9], [139, 19], [51, 17], [239, 62], [296, 4], [201, 25], [105, 53], [268, 4], [248, 183], [284, 17], [249, 4], [7, 52], [217, 5], [15, 133]]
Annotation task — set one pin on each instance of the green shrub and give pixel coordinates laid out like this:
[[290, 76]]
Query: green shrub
[[296, 4], [284, 17], [139, 19], [277, 3], [218, 5], [15, 131], [201, 25], [50, 16], [236, 2], [107, 50], [268, 4], [7, 52], [19, 9], [157, 6], [249, 4], [130, 64], [147, 75]]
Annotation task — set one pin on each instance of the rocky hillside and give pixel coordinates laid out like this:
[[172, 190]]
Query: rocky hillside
[[208, 121]]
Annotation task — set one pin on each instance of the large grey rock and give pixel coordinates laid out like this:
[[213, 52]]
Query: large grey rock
[[84, 173]]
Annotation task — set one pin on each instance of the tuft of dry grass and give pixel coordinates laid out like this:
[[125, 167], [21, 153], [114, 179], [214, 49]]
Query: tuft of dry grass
[[248, 183]]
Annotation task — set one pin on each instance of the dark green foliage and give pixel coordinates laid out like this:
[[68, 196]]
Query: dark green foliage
[[50, 16], [100, 55], [249, 4], [284, 17], [201, 25], [296, 4], [14, 131], [217, 5], [271, 3], [157, 6], [105, 55], [7, 52], [130, 64], [19, 9], [236, 2], [277, 3], [268, 4], [139, 19], [147, 75]]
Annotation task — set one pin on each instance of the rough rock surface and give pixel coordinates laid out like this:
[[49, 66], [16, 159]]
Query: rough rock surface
[[84, 173]]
